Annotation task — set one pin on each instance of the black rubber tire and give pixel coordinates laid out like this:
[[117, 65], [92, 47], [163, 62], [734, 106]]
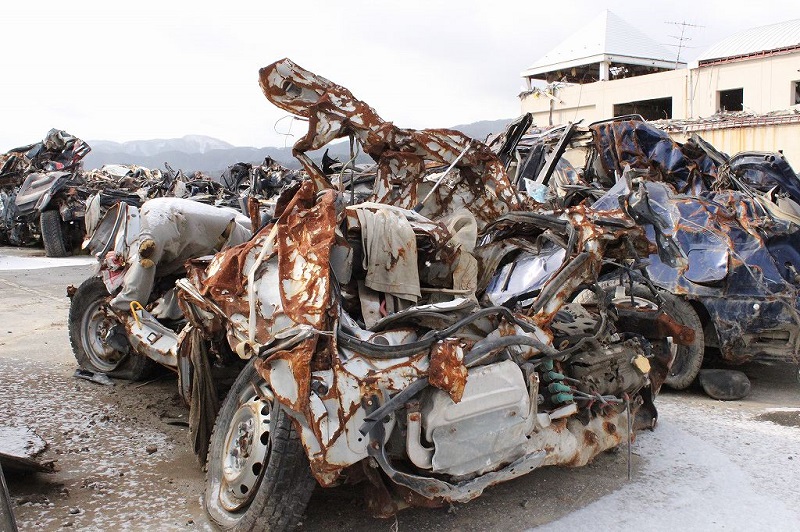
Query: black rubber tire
[[89, 295], [688, 358], [286, 483], [53, 234]]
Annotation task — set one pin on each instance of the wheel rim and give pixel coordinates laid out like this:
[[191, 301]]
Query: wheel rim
[[95, 325], [239, 467]]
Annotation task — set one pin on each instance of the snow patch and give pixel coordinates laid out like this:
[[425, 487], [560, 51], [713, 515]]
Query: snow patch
[[38, 263], [703, 471], [20, 441]]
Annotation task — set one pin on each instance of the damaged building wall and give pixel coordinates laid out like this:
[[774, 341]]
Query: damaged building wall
[[596, 101], [766, 79], [740, 134], [766, 83]]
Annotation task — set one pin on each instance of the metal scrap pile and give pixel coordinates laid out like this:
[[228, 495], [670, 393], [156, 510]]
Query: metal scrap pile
[[442, 336], [44, 190], [38, 178], [130, 178], [730, 222], [457, 315], [58, 151], [264, 182]]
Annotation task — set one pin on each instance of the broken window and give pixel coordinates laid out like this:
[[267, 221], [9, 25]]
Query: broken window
[[796, 93], [654, 109], [730, 100]]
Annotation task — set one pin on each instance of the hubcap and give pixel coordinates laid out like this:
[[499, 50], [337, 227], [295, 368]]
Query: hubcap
[[245, 455]]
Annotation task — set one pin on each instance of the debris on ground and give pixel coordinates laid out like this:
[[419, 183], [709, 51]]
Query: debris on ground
[[21, 449], [724, 384], [92, 376]]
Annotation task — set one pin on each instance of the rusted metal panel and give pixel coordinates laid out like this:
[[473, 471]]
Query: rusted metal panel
[[447, 370], [305, 239], [333, 112]]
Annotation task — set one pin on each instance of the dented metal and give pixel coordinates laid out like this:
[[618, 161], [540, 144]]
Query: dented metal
[[723, 229], [428, 336]]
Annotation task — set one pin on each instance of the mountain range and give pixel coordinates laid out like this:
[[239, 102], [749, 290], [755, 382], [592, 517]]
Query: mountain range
[[210, 155]]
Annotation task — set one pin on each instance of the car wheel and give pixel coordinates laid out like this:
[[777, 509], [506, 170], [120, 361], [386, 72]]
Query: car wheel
[[53, 234], [257, 473], [687, 359], [89, 325]]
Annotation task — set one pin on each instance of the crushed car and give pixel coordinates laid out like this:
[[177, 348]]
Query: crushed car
[[105, 330], [124, 320], [731, 222], [422, 327], [141, 252], [41, 198]]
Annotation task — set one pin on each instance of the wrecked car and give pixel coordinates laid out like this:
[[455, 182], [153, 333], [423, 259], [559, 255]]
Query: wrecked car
[[731, 222], [444, 336], [243, 182], [125, 319], [41, 198], [130, 300]]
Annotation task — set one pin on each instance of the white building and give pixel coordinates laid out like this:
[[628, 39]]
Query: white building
[[609, 68]]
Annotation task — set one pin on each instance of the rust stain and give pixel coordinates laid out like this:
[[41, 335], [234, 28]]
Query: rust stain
[[403, 155], [253, 209], [306, 234], [447, 370]]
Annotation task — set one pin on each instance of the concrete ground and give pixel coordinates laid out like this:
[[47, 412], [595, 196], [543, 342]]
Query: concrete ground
[[124, 460]]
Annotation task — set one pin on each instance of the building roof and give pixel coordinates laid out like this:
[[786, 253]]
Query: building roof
[[605, 38], [755, 41]]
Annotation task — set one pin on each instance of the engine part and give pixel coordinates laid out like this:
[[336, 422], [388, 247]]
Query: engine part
[[614, 370], [486, 428]]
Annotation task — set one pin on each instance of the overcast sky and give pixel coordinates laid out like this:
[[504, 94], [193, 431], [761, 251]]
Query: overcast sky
[[142, 69]]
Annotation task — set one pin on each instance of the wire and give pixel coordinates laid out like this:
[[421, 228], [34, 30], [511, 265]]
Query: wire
[[628, 430], [288, 133], [578, 107]]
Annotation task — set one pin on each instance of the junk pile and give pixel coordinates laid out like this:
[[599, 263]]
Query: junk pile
[[264, 182], [456, 314], [420, 326], [41, 193], [731, 223], [45, 193]]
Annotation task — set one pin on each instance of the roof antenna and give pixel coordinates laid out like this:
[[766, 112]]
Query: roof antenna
[[681, 38]]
